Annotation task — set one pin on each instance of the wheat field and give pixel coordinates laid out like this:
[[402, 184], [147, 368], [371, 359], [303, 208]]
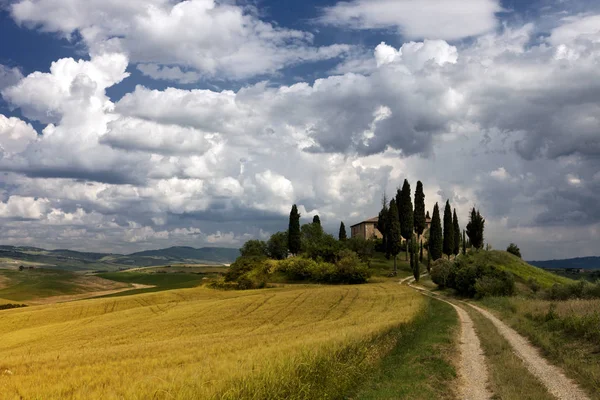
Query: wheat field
[[291, 342]]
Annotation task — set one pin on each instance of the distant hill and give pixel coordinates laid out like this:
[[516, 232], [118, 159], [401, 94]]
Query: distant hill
[[580, 262], [12, 256]]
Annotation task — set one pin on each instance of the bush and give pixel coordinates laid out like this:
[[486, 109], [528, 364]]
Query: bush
[[254, 248], [472, 280], [578, 290], [440, 272], [349, 269], [242, 266]]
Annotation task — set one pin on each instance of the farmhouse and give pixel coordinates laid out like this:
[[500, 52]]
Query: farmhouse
[[368, 229]]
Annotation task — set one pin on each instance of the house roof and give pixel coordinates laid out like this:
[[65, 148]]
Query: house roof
[[373, 220]]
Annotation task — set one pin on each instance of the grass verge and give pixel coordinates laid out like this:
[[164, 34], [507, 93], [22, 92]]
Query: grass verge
[[420, 365], [545, 324], [509, 378]]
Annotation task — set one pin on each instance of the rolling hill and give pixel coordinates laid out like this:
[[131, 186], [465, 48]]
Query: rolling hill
[[13, 257], [579, 262]]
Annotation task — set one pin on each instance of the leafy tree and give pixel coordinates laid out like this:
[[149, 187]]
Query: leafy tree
[[382, 223], [316, 220], [342, 234], [448, 231], [277, 246], [254, 248], [435, 235], [514, 249], [419, 214], [318, 245], [406, 213], [365, 248], [393, 233], [294, 241], [456, 228], [475, 229]]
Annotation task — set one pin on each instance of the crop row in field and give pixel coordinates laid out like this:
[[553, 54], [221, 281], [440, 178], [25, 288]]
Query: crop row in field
[[200, 343]]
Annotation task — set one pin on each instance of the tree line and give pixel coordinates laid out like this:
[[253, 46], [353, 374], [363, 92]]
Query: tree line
[[400, 223]]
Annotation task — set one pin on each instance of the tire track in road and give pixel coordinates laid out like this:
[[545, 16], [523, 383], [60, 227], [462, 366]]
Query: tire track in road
[[549, 375]]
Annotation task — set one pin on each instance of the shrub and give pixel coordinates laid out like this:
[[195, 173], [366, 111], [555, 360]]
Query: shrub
[[242, 266], [349, 269], [578, 290], [440, 272], [496, 283], [533, 285]]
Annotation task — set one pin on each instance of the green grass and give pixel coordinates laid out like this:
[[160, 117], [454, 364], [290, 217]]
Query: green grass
[[420, 366], [31, 284], [381, 266], [519, 268], [160, 281], [577, 356], [509, 378]]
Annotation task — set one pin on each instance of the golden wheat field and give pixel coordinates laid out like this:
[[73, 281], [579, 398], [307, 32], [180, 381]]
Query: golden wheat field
[[201, 343]]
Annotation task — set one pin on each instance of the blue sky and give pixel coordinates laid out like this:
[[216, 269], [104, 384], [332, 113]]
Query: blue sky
[[150, 123]]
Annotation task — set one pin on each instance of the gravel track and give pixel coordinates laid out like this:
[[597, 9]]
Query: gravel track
[[551, 377]]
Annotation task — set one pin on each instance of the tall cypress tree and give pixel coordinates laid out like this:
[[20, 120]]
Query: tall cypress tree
[[393, 233], [464, 242], [294, 240], [406, 214], [342, 234], [419, 214], [475, 229], [382, 222], [456, 228], [448, 231], [421, 252], [316, 220], [435, 234], [414, 252]]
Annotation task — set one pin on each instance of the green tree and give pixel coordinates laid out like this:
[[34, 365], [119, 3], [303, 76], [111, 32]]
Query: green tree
[[393, 233], [475, 229], [277, 246], [316, 220], [435, 234], [414, 258], [456, 235], [406, 214], [448, 231], [294, 239], [342, 234], [419, 214], [254, 248], [464, 242], [514, 249], [365, 248], [421, 252], [382, 222]]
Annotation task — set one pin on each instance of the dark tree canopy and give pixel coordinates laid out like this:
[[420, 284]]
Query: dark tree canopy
[[254, 248], [419, 214], [316, 220], [406, 212], [475, 229], [277, 246], [427, 215], [435, 235], [456, 229], [294, 240], [448, 230], [393, 232], [464, 242], [514, 249], [382, 221], [342, 233]]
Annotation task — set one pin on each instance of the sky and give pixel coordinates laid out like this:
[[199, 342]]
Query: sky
[[141, 124]]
